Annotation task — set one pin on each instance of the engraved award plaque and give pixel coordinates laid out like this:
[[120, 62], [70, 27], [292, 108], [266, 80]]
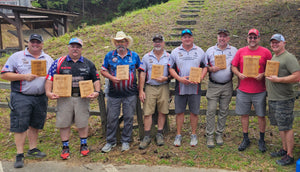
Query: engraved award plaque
[[195, 74], [272, 68], [123, 72], [251, 66], [157, 71], [39, 67], [62, 85], [220, 61], [86, 88]]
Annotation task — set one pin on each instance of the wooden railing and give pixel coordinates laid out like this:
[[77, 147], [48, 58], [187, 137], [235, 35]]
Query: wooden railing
[[103, 115]]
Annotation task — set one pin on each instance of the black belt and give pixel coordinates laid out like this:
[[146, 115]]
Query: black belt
[[155, 85], [215, 82], [35, 95], [75, 94]]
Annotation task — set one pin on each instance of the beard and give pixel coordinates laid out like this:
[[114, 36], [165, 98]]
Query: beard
[[121, 48]]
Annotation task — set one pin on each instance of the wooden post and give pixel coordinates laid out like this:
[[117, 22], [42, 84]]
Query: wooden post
[[19, 30], [1, 41], [139, 114], [65, 21], [103, 113]]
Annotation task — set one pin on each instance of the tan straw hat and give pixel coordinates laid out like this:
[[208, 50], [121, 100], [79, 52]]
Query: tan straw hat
[[121, 35]]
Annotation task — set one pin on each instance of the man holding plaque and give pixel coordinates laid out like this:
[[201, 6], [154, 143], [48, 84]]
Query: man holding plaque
[[119, 66], [182, 59], [154, 71], [220, 86], [72, 108], [281, 97], [28, 100], [251, 89]]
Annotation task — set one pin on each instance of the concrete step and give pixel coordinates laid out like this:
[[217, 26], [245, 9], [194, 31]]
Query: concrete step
[[173, 43], [188, 15], [191, 10], [186, 22]]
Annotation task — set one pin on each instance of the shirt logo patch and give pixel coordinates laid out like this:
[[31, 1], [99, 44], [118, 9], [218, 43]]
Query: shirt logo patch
[[150, 61], [25, 61], [115, 59]]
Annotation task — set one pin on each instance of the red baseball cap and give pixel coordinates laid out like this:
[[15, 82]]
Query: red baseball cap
[[254, 31]]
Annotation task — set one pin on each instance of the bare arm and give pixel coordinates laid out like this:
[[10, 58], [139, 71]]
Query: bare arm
[[293, 78], [97, 86], [183, 79], [106, 74], [204, 72], [10, 76], [236, 71], [48, 90], [142, 94]]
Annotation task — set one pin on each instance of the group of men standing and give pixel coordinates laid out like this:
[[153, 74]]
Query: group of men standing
[[29, 92]]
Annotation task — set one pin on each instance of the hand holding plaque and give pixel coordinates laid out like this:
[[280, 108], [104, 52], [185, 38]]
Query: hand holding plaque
[[39, 67], [86, 88], [157, 71], [272, 68], [220, 61], [195, 74], [123, 72], [251, 66], [62, 85]]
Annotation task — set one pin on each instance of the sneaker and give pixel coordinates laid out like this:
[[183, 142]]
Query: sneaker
[[177, 141], [107, 147], [159, 139], [194, 140], [84, 150], [65, 153], [210, 142], [286, 160], [262, 146], [35, 152], [245, 143], [219, 139], [145, 142], [280, 153], [125, 146], [19, 161]]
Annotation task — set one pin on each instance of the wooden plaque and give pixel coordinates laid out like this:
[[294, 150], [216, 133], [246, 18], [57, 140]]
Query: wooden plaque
[[157, 71], [123, 72], [195, 74], [86, 88], [272, 68], [220, 61], [62, 85], [251, 66], [39, 67]]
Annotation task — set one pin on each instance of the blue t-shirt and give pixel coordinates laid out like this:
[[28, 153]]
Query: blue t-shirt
[[126, 87]]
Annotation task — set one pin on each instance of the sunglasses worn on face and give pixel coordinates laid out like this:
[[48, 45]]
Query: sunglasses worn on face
[[252, 37]]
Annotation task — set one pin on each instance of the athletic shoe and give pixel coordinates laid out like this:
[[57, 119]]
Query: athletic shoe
[[84, 150], [210, 142], [65, 153], [177, 141], [107, 147], [19, 161], [35, 152], [262, 146], [125, 146], [280, 153], [286, 160], [245, 143], [219, 139], [145, 142], [194, 140], [159, 139]]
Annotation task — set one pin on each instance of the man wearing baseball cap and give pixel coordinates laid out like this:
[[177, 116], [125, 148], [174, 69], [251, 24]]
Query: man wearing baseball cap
[[281, 97], [251, 90], [27, 91], [156, 92], [182, 58], [73, 109], [219, 88]]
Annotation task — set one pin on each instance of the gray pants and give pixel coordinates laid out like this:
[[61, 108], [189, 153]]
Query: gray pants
[[217, 93], [113, 113]]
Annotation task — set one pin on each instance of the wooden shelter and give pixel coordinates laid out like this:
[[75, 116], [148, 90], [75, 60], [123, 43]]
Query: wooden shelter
[[34, 18]]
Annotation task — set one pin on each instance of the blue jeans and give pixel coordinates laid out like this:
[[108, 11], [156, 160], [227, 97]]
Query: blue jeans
[[113, 112]]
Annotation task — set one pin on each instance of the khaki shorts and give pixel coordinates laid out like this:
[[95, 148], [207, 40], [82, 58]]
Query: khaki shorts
[[156, 95], [72, 110]]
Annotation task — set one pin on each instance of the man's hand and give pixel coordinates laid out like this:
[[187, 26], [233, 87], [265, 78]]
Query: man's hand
[[161, 79], [30, 77], [242, 76], [185, 80], [214, 69], [93, 95], [115, 80], [142, 96], [260, 76], [52, 96], [273, 78]]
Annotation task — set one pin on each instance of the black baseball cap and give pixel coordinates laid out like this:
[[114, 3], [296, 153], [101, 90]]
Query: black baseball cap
[[223, 31], [36, 36], [158, 36]]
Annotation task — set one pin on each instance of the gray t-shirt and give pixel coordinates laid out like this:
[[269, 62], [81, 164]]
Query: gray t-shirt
[[225, 75], [182, 61], [20, 62], [146, 66], [288, 65]]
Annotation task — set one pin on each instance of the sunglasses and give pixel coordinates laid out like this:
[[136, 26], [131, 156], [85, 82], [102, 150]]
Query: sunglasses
[[252, 37], [186, 31]]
